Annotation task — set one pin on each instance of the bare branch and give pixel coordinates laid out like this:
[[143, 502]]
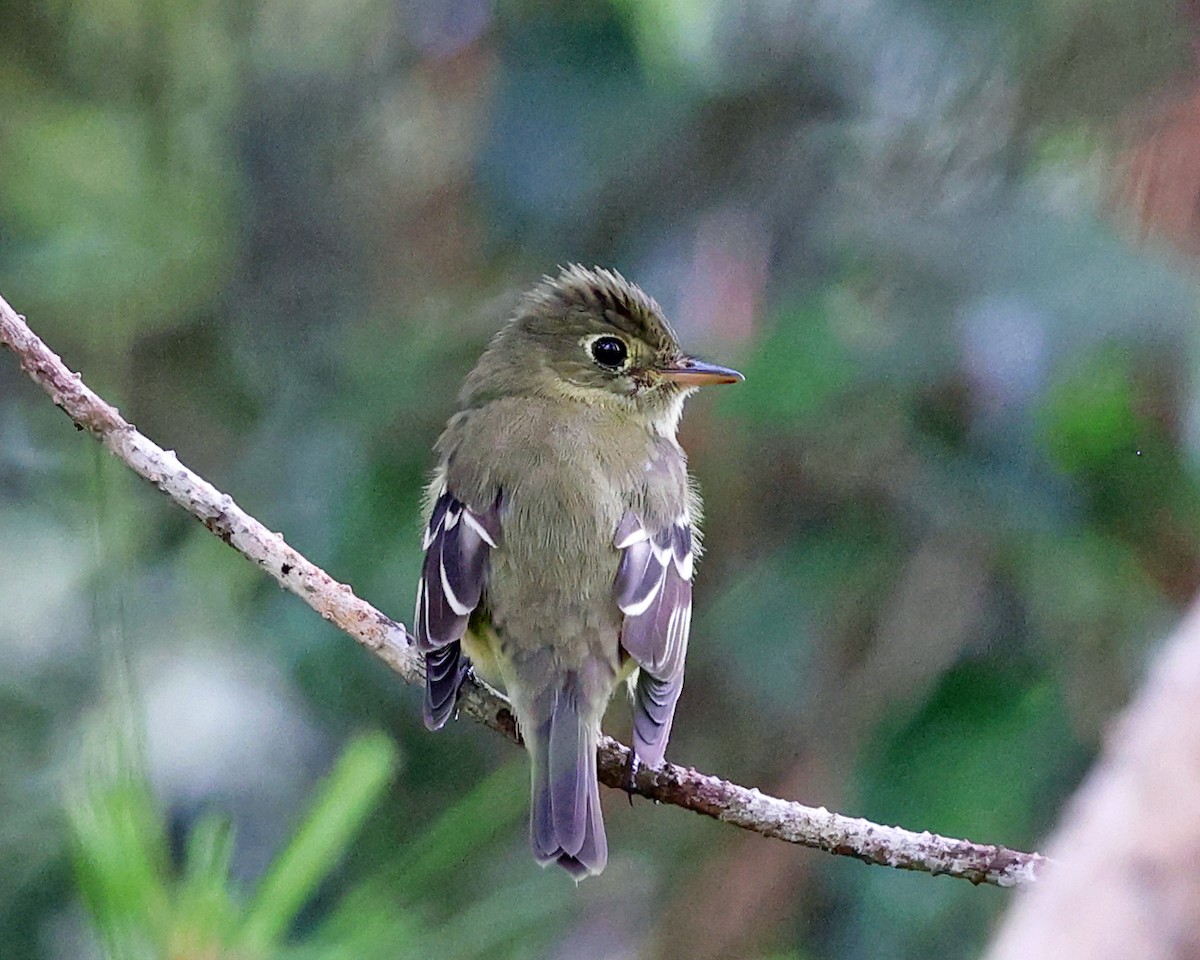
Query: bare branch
[[388, 640]]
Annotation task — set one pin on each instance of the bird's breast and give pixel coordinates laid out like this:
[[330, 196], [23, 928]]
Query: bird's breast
[[565, 478], [551, 579]]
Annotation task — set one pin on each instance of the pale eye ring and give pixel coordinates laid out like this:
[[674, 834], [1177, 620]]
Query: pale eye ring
[[612, 353]]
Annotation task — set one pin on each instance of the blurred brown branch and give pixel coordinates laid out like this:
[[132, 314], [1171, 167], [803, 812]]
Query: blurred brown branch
[[1130, 887], [387, 639]]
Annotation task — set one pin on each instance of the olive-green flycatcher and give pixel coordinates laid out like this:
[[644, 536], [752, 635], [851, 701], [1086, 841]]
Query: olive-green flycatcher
[[562, 531]]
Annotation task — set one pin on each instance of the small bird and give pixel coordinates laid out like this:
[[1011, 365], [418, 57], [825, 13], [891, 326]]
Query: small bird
[[562, 529]]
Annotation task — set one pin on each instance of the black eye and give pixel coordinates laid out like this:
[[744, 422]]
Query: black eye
[[609, 352]]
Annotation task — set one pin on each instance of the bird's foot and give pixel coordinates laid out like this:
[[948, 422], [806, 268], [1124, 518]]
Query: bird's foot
[[631, 776]]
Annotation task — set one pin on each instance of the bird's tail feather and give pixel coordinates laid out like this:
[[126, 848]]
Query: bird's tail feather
[[566, 825]]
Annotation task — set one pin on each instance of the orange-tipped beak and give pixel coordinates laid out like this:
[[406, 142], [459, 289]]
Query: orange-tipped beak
[[696, 373]]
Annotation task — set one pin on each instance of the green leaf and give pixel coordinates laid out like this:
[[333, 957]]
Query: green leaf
[[797, 369], [1089, 416], [205, 910], [343, 802], [119, 854]]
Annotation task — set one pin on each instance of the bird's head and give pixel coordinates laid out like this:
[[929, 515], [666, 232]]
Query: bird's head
[[591, 336]]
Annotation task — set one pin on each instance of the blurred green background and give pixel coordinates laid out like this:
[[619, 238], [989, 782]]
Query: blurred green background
[[951, 512]]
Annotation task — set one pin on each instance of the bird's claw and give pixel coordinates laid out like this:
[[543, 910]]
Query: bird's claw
[[631, 776]]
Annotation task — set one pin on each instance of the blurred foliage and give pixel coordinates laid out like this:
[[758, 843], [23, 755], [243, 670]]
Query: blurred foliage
[[143, 905], [954, 506]]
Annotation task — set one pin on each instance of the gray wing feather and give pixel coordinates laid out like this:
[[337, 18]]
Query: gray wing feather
[[654, 590], [458, 543]]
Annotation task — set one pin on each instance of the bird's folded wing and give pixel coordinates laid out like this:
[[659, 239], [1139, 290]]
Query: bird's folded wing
[[654, 592], [457, 544]]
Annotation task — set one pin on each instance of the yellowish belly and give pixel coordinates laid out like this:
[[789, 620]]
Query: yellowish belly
[[480, 645]]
